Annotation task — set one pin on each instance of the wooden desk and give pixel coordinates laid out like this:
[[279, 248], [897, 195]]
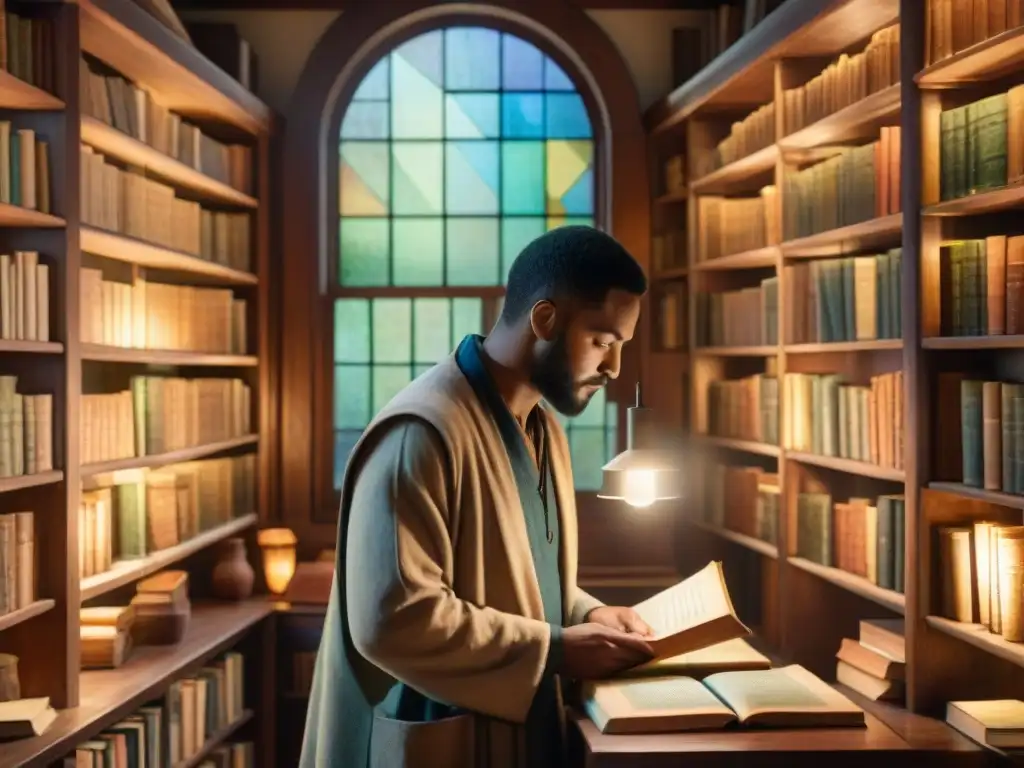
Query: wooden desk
[[926, 742]]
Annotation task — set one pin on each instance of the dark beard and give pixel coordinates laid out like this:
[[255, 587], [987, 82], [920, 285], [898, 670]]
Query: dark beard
[[552, 376]]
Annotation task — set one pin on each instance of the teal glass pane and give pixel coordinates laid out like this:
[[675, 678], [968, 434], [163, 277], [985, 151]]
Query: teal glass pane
[[392, 330], [467, 318], [471, 59], [352, 331], [375, 84], [365, 178], [522, 177], [587, 448], [565, 116], [420, 368], [432, 330], [522, 65], [472, 116], [418, 178], [365, 120], [417, 107], [471, 177], [522, 115], [473, 251], [351, 396], [388, 381], [593, 416], [418, 251], [555, 78], [344, 442], [363, 251], [516, 234]]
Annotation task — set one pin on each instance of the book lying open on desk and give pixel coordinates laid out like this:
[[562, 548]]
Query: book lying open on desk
[[789, 697]]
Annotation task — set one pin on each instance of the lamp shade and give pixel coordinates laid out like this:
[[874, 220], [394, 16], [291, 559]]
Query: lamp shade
[[644, 473], [278, 546]]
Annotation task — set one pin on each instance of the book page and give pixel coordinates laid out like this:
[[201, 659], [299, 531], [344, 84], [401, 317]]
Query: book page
[[790, 689], [694, 601], [732, 654], [653, 704]]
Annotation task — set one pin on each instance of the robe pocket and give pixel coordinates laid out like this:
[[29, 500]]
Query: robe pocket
[[402, 744]]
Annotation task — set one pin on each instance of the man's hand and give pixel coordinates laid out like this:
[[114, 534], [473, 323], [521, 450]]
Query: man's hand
[[620, 618], [594, 651]]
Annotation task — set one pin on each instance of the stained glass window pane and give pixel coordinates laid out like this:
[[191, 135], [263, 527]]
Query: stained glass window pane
[[467, 318], [364, 183], [375, 84], [392, 331], [516, 233], [569, 181], [472, 116], [471, 177], [388, 381], [473, 251], [344, 442], [418, 178], [555, 78], [352, 331], [522, 115], [351, 396], [522, 183], [419, 251], [522, 65], [416, 88], [363, 250], [432, 330], [566, 116], [471, 59]]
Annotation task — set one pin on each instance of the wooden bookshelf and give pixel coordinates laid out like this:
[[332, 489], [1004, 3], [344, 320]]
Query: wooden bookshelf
[[44, 635], [787, 594]]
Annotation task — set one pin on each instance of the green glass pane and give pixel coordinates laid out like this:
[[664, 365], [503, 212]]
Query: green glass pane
[[611, 443], [417, 174], [351, 396], [473, 245], [418, 251], [565, 116], [471, 116], [432, 333], [392, 330], [352, 331], [365, 120], [593, 416], [364, 180], [417, 105], [344, 442], [516, 234], [363, 252], [471, 59], [388, 381], [420, 368], [522, 115], [375, 84], [522, 177], [587, 447], [471, 177], [467, 318]]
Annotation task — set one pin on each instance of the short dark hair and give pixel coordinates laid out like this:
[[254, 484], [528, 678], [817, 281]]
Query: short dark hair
[[577, 262]]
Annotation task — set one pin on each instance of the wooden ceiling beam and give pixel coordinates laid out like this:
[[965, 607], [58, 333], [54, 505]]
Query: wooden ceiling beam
[[337, 5]]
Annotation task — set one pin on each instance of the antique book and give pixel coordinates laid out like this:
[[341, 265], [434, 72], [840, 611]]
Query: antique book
[[997, 723], [24, 718], [731, 655], [788, 697], [695, 613]]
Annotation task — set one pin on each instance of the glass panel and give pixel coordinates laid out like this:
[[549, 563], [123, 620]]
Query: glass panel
[[421, 368], [351, 396], [522, 65], [471, 59], [419, 251], [392, 330], [473, 251], [344, 442], [365, 120], [467, 318], [522, 115], [364, 181], [587, 447], [472, 116], [566, 116], [375, 84], [593, 416], [417, 178], [569, 181], [522, 177], [516, 234], [416, 95], [352, 331], [431, 330], [555, 78], [388, 381], [363, 252], [471, 177]]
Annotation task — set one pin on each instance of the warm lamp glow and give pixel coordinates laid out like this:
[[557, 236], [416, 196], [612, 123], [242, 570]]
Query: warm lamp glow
[[278, 545], [640, 488]]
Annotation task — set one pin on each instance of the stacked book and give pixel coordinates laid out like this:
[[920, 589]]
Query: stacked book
[[106, 635], [162, 608], [875, 664]]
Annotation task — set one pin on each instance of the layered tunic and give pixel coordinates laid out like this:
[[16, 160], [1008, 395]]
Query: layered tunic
[[457, 570]]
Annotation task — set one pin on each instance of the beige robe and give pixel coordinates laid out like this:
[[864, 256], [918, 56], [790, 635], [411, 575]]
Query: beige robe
[[437, 588]]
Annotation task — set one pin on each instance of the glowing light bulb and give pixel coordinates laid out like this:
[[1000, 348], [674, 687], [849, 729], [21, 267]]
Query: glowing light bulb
[[641, 488]]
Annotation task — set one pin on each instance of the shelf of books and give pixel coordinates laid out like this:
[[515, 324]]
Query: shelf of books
[[133, 356], [850, 235]]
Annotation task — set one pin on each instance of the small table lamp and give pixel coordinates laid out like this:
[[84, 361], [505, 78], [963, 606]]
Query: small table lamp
[[643, 473], [278, 546]]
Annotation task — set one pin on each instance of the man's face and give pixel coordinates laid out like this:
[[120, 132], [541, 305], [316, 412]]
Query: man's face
[[585, 352]]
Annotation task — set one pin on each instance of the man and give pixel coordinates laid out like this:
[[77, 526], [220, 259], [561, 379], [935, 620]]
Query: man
[[455, 612]]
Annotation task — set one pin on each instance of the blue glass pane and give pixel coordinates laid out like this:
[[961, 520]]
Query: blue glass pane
[[472, 116], [375, 84], [522, 65], [351, 396], [516, 234], [417, 108], [522, 115], [566, 116], [471, 59], [471, 177], [555, 78], [365, 120], [522, 177]]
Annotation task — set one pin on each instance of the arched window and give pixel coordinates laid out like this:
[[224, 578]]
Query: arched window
[[459, 147]]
